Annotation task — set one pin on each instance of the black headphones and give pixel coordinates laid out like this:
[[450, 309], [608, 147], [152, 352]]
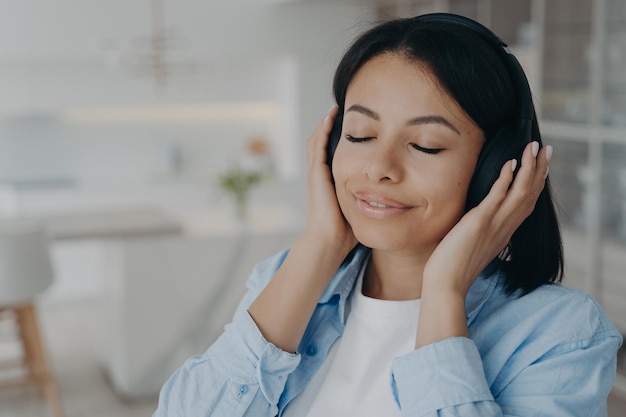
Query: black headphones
[[506, 144]]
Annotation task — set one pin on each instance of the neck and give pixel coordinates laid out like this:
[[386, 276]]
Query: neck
[[394, 275]]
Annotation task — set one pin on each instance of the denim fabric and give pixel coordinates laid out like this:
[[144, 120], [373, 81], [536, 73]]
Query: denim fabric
[[549, 353]]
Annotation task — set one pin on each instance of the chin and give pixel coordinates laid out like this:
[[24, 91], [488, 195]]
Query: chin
[[381, 240]]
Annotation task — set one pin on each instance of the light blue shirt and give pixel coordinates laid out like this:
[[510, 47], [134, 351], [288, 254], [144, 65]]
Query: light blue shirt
[[549, 353]]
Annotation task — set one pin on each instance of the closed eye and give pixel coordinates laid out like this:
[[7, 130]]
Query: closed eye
[[431, 151], [353, 139]]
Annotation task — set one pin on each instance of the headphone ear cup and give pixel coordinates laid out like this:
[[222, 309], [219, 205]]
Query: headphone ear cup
[[506, 144]]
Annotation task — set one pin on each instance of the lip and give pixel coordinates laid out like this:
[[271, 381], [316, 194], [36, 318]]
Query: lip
[[378, 206]]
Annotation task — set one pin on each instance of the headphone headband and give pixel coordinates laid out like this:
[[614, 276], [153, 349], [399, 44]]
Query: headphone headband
[[468, 23], [522, 89]]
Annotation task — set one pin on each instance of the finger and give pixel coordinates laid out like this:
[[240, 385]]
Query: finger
[[543, 162], [313, 142], [500, 188], [526, 172], [323, 128], [539, 180], [528, 182], [524, 185], [526, 189], [316, 145], [537, 175]]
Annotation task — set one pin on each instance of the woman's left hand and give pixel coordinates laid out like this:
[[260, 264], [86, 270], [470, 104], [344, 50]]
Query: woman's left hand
[[480, 235]]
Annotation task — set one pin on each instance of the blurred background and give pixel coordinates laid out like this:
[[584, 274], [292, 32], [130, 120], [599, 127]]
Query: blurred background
[[157, 147]]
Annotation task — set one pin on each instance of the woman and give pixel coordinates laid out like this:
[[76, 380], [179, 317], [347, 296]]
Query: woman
[[401, 298]]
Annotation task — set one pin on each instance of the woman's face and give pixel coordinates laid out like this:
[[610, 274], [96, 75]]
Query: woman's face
[[407, 153]]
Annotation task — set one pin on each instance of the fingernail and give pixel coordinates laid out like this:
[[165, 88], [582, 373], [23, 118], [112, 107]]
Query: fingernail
[[513, 165], [549, 150], [535, 148], [326, 118]]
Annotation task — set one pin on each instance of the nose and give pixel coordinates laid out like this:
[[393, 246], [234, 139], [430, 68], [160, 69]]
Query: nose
[[383, 163]]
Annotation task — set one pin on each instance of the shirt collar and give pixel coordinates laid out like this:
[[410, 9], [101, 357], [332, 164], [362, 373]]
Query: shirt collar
[[343, 282]]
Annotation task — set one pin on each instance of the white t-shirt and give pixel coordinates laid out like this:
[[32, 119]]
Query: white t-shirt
[[355, 378]]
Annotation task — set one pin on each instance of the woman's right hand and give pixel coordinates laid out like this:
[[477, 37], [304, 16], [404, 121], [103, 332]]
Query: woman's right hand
[[325, 223], [284, 308]]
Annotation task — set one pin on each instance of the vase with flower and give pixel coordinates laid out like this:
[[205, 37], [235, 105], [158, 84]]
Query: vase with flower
[[238, 182]]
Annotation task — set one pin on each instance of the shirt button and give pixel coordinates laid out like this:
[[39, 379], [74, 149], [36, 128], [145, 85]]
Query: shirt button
[[311, 350], [243, 389]]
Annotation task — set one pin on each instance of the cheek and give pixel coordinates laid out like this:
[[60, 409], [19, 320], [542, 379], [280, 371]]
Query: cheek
[[463, 179], [448, 190], [342, 170], [345, 164], [462, 187]]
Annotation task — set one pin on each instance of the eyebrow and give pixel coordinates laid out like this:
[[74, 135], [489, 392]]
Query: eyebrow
[[421, 120]]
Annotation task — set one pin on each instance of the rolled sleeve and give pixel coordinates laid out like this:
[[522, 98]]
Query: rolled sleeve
[[241, 373], [247, 357], [443, 374]]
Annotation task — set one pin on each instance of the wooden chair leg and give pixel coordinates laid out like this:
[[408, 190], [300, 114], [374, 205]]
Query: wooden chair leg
[[36, 359]]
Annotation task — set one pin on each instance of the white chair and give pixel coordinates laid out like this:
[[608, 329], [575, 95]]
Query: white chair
[[25, 271]]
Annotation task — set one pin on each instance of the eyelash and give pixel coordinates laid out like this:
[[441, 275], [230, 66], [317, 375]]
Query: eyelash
[[353, 139], [430, 151]]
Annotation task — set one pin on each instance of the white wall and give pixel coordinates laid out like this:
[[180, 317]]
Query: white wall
[[81, 53], [65, 55]]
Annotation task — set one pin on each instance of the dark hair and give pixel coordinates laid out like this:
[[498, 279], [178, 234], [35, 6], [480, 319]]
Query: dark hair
[[472, 72]]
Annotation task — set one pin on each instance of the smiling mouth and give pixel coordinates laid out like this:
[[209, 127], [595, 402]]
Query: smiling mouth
[[377, 205], [378, 210]]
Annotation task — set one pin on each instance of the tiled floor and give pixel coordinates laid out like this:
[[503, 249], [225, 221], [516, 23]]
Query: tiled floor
[[83, 385]]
